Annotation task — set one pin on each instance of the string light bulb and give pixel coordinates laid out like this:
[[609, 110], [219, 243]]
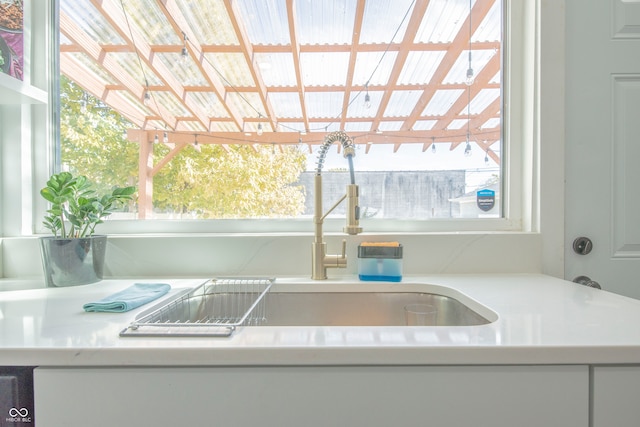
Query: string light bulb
[[259, 129], [467, 149], [367, 97], [486, 158], [146, 95], [165, 137], [155, 138], [433, 145], [470, 77], [184, 53]]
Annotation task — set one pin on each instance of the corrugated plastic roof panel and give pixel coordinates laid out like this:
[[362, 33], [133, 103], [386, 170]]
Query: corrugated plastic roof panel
[[357, 126], [491, 123], [209, 103], [373, 67], [442, 21], [266, 21], [490, 29], [232, 69], [482, 101], [325, 22], [184, 70], [424, 124], [389, 125], [420, 67], [248, 103], [277, 69], [323, 104], [457, 124], [202, 17], [149, 20], [402, 102], [317, 72], [129, 62], [441, 101], [92, 67], [458, 72], [382, 21], [286, 104], [357, 107], [246, 54], [170, 102], [91, 21]]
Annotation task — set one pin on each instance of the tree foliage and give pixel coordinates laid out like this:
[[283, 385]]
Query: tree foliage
[[92, 141], [238, 183], [211, 182]]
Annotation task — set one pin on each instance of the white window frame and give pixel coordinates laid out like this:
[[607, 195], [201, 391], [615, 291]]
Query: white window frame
[[517, 141], [534, 59]]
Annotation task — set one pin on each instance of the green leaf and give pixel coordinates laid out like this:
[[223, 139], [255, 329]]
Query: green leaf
[[74, 199], [48, 194]]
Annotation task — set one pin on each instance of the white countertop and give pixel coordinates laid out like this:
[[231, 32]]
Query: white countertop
[[539, 320]]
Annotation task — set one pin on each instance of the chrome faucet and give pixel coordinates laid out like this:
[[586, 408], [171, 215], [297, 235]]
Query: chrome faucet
[[320, 260]]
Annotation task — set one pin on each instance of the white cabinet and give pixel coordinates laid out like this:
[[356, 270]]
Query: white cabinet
[[616, 391], [496, 396]]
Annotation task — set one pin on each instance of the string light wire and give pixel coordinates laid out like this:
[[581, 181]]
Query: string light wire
[[147, 98]]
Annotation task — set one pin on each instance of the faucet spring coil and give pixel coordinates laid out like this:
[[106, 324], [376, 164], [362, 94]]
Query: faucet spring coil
[[340, 136]]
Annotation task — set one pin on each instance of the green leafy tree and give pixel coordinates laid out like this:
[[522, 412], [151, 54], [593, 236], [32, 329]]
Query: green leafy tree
[[92, 139], [241, 182], [238, 183]]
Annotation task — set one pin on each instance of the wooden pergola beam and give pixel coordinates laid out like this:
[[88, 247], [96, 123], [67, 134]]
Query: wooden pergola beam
[[459, 44], [116, 17], [295, 51], [315, 138]]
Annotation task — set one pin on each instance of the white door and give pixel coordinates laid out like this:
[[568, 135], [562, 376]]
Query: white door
[[603, 142]]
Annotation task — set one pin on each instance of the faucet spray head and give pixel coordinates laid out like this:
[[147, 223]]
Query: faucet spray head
[[353, 211], [349, 151]]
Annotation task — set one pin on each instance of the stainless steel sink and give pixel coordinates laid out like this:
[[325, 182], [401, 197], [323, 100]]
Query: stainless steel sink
[[361, 309], [217, 307]]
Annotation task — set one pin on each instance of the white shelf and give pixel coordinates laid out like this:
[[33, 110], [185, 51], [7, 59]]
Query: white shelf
[[14, 91]]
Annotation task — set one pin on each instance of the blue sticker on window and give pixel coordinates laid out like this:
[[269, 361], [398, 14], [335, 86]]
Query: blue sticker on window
[[486, 199]]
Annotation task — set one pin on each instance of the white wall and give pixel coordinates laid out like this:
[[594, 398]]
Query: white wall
[[290, 255]]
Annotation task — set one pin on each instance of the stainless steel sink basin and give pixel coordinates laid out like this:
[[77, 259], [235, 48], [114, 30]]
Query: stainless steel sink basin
[[361, 309], [217, 307]]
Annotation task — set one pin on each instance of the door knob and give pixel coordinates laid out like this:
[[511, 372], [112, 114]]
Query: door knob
[[582, 245], [586, 281]]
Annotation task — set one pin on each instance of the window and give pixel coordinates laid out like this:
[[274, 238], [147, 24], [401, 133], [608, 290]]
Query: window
[[212, 114]]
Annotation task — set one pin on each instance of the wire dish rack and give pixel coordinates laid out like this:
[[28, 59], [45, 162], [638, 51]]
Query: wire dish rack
[[212, 309]]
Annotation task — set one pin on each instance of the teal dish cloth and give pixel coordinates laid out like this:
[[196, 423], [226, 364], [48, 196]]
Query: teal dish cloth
[[130, 298]]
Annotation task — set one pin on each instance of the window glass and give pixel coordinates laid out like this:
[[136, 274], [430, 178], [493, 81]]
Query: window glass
[[225, 108]]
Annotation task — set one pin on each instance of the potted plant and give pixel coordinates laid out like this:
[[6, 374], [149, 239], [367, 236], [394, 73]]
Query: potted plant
[[74, 255]]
